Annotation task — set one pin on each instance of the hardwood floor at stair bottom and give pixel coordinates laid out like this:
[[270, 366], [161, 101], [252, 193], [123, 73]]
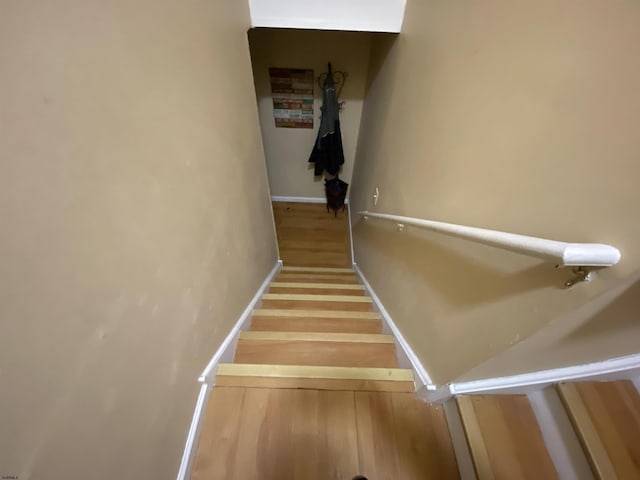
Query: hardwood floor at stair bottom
[[270, 434], [506, 438], [606, 416]]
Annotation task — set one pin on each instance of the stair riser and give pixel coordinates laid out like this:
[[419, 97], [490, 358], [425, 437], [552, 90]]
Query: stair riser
[[346, 271], [316, 305], [306, 324], [317, 291], [324, 278], [316, 353]]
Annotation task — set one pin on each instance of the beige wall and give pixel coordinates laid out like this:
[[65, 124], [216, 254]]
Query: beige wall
[[287, 149], [604, 328], [135, 226], [514, 116]]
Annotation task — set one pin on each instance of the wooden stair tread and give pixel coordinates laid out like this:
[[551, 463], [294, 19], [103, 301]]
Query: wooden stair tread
[[291, 268], [300, 301], [504, 437], [317, 277], [274, 312], [606, 418], [316, 337], [311, 297], [316, 321], [309, 324], [329, 290], [315, 305], [315, 377], [316, 371], [337, 286], [316, 353], [352, 385]]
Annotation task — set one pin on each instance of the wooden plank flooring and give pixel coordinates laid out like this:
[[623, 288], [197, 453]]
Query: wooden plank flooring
[[606, 416], [310, 236], [314, 391], [270, 434], [510, 435]]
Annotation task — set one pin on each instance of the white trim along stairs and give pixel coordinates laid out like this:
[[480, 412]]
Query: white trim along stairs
[[555, 405]]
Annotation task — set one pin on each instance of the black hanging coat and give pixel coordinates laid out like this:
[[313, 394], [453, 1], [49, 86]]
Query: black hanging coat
[[327, 153]]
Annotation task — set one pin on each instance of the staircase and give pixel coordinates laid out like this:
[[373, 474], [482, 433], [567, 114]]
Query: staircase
[[315, 393], [316, 328]]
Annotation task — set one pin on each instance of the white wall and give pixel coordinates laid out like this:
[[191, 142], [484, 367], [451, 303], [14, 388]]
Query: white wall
[[287, 149]]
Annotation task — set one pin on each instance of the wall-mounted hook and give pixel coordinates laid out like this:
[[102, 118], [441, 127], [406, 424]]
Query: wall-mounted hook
[[338, 77]]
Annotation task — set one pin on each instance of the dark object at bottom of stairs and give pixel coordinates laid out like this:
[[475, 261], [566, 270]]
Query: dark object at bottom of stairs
[[359, 477], [336, 191]]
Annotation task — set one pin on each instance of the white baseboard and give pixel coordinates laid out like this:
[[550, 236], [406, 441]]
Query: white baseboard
[[224, 353], [277, 198], [186, 465], [227, 349], [627, 367], [422, 379], [353, 255]]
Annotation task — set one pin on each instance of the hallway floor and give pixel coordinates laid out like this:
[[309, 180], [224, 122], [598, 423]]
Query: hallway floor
[[315, 392], [309, 236], [269, 434]]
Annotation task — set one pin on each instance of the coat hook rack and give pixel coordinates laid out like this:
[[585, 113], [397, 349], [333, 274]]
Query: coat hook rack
[[338, 78]]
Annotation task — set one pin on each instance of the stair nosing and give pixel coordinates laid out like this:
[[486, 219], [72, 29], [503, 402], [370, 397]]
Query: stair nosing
[[308, 371], [276, 312], [293, 268]]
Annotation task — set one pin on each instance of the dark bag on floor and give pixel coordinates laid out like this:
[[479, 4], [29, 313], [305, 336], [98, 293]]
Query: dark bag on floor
[[336, 191]]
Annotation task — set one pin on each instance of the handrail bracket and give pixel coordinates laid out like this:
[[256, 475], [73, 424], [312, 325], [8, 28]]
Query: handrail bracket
[[580, 275]]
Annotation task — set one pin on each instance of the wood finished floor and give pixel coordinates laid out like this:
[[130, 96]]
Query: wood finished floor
[[614, 410], [504, 438], [310, 236], [282, 434], [336, 405]]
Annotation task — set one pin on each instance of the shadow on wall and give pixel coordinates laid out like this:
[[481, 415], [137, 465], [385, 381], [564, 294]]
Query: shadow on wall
[[381, 44], [454, 273], [621, 315], [604, 328]]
